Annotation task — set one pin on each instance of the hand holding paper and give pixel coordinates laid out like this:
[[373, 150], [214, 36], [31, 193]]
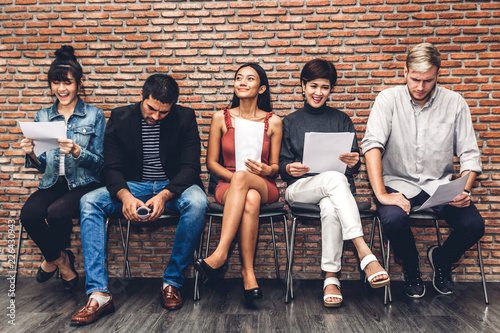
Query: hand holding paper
[[297, 169], [446, 193], [322, 151], [44, 134], [260, 169], [248, 140], [351, 159], [27, 146]]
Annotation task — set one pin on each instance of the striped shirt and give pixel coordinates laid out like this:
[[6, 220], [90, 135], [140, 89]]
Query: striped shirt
[[152, 169]]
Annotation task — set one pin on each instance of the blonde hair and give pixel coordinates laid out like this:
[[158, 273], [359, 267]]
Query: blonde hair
[[422, 57]]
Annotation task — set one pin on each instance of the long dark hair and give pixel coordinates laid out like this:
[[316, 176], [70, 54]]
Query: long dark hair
[[264, 99], [65, 63]]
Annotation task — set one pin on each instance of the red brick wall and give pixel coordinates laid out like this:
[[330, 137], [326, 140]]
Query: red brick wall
[[200, 43]]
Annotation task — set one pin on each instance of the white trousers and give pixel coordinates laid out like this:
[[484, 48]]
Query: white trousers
[[339, 212]]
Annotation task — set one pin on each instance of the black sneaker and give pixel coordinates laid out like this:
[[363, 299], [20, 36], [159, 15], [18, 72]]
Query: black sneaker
[[414, 286], [441, 280]]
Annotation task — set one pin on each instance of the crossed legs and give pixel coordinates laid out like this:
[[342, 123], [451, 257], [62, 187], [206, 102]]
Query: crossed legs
[[241, 216]]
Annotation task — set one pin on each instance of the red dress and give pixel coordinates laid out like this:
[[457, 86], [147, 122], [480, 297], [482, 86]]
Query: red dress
[[227, 144]]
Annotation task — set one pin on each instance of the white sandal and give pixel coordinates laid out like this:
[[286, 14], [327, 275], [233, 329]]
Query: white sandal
[[376, 284], [328, 281]]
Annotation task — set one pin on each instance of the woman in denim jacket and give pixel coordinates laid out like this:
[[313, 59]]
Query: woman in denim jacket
[[68, 172]]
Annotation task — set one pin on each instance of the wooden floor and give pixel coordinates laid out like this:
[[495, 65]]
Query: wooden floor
[[46, 308]]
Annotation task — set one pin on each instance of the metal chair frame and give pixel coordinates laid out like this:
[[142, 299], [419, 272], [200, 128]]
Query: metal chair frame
[[271, 210], [18, 253], [310, 212], [163, 220], [426, 215]]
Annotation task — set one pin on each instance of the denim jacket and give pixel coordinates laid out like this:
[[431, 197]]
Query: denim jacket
[[86, 128]]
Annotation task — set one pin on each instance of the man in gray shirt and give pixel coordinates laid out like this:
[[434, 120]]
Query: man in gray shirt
[[412, 135]]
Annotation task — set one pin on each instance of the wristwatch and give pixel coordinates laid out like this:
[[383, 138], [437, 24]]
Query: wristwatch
[[468, 192]]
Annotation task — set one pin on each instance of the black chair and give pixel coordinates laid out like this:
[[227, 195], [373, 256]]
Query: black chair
[[306, 211], [272, 210], [428, 216], [168, 217]]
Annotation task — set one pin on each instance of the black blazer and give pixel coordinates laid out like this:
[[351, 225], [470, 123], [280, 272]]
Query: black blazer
[[179, 148]]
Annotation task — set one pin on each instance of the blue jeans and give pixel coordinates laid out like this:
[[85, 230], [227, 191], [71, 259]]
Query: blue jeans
[[98, 204]]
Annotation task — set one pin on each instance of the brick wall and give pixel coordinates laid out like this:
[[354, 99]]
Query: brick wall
[[201, 43]]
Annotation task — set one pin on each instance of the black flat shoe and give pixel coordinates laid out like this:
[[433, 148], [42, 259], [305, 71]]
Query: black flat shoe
[[70, 285], [207, 273], [43, 276], [252, 294]]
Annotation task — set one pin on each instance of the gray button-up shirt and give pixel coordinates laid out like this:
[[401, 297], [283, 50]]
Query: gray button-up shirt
[[418, 144]]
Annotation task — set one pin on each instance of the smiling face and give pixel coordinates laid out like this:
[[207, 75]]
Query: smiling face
[[247, 84], [421, 85], [66, 91], [316, 92], [153, 110]]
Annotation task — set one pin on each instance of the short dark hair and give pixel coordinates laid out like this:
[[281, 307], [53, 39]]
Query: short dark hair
[[65, 63], [161, 87], [318, 69], [264, 99]]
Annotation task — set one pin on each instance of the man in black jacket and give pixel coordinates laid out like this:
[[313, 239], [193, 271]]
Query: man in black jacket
[[151, 159]]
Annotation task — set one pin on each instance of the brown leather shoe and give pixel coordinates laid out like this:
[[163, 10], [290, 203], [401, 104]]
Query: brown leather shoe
[[90, 313], [171, 298]]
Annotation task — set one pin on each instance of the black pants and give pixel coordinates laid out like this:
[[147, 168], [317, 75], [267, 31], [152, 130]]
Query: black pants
[[467, 225], [47, 216]]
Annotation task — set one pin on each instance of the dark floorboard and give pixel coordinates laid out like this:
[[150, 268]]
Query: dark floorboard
[[46, 308]]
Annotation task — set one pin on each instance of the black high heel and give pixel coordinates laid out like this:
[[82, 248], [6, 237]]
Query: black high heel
[[207, 273], [70, 285], [252, 294], [43, 276]]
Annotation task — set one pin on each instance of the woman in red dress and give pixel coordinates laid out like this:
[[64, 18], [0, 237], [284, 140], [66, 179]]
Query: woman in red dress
[[242, 192]]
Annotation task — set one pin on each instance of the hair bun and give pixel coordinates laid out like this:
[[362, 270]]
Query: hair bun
[[66, 52]]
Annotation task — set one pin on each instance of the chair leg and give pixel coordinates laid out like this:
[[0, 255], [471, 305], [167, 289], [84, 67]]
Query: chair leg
[[438, 233], [387, 288], [287, 241], [289, 279], [386, 258], [372, 232], [483, 278], [372, 239], [197, 254], [208, 235], [274, 249], [126, 264], [18, 253]]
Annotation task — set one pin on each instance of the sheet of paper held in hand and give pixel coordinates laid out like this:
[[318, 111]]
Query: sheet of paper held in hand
[[322, 151], [44, 134], [446, 193], [248, 140]]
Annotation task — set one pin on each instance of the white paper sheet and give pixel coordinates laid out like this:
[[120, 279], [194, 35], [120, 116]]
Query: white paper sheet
[[322, 151], [248, 140], [446, 193], [44, 134]]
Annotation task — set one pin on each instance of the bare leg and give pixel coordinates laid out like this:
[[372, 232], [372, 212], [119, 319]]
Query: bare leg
[[63, 264], [247, 235], [234, 204], [48, 266], [332, 289], [374, 266]]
